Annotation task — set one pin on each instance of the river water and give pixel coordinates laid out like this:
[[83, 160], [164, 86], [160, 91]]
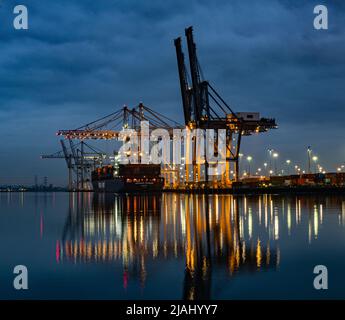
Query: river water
[[171, 246]]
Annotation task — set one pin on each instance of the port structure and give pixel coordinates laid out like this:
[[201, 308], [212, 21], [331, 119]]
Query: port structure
[[81, 158], [204, 108], [111, 127]]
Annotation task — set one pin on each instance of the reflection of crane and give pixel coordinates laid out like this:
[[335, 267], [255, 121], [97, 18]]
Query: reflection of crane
[[141, 228], [204, 108], [211, 244], [79, 161]]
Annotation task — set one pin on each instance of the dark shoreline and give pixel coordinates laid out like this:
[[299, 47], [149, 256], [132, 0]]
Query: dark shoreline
[[266, 190], [235, 191]]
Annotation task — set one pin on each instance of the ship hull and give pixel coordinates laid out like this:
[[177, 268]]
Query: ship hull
[[120, 186], [126, 178]]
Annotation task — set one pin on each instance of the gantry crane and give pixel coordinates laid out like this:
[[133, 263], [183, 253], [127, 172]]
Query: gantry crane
[[204, 108], [80, 159], [111, 126]]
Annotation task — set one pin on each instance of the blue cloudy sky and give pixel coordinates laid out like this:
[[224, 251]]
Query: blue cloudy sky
[[82, 59]]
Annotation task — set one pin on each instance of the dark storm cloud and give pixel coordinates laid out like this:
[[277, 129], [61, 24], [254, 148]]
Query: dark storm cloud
[[82, 59]]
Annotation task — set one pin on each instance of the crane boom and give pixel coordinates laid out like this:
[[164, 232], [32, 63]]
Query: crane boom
[[185, 92], [195, 75]]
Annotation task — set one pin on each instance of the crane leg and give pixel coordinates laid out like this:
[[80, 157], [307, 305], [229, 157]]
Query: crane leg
[[228, 157], [237, 168]]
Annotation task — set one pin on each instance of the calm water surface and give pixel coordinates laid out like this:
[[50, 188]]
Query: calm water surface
[[83, 246]]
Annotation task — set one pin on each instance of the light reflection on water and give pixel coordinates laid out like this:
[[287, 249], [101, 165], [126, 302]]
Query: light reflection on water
[[177, 246]]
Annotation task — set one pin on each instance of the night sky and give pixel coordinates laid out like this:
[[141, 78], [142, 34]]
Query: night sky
[[83, 59]]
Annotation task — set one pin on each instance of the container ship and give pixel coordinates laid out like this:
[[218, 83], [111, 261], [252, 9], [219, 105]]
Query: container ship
[[125, 178]]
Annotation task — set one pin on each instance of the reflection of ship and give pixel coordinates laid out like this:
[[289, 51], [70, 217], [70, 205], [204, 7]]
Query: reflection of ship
[[143, 230], [128, 178]]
